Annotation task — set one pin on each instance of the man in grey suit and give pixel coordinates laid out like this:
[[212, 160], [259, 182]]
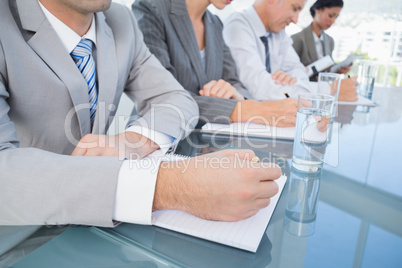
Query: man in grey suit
[[46, 105]]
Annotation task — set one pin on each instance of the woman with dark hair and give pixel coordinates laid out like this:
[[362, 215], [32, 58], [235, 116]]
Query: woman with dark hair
[[312, 43]]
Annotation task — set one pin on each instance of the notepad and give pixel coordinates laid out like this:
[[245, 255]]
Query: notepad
[[245, 234], [346, 62], [319, 65], [363, 101], [250, 129]]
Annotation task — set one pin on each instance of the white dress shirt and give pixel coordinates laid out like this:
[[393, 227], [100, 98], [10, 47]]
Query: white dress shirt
[[137, 178], [242, 34], [319, 45]]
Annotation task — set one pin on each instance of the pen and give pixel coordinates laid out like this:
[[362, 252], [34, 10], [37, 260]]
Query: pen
[[286, 94]]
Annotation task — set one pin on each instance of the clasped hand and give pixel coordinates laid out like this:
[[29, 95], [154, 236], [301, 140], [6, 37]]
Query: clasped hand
[[283, 78], [129, 145], [220, 89]]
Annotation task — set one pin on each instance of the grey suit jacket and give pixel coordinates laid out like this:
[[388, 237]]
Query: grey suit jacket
[[44, 113], [169, 34], [303, 43]]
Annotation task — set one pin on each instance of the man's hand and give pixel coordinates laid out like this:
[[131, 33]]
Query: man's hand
[[348, 92], [220, 89], [283, 78], [223, 186], [128, 144], [274, 113]]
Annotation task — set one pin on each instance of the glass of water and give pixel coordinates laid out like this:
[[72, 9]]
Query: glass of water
[[313, 127], [301, 202], [329, 83], [367, 71]]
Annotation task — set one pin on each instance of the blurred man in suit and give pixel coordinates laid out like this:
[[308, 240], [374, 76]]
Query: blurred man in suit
[[266, 61]]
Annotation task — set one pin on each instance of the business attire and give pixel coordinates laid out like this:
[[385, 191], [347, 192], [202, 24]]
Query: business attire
[[44, 112], [305, 45], [169, 34], [242, 33]]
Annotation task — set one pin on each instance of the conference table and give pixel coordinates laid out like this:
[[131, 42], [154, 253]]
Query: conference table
[[358, 221]]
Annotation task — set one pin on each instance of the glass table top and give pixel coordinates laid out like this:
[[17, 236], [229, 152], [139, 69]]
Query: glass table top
[[358, 216], [359, 211]]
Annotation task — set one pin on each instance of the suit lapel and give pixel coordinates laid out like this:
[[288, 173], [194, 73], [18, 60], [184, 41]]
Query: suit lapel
[[184, 29], [312, 51], [214, 60], [106, 66], [48, 46]]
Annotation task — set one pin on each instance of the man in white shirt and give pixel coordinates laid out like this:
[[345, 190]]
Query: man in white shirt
[[268, 74], [64, 65]]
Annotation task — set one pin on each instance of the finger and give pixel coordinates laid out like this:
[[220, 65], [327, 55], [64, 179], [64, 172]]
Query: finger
[[217, 87], [79, 150], [93, 152], [237, 217], [206, 92], [222, 91], [275, 75], [228, 91], [208, 85], [263, 202], [201, 92], [286, 79], [292, 81], [267, 189], [228, 94], [268, 171], [280, 78], [207, 88]]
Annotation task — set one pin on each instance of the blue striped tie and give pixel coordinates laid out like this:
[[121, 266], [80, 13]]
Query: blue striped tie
[[82, 55]]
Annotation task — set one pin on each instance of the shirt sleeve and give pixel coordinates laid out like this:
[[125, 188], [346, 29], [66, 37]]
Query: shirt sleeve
[[135, 190], [137, 179], [164, 141]]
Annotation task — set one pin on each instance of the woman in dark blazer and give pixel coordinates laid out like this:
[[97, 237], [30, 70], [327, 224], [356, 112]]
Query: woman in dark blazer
[[312, 43], [187, 39]]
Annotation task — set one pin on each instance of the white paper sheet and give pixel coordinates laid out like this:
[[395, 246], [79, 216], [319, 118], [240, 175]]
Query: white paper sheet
[[245, 234]]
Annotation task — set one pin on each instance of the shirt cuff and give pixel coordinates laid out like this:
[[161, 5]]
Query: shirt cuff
[[135, 190], [164, 141]]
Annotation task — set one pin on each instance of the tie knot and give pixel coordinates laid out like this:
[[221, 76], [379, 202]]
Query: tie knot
[[264, 39], [83, 49]]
